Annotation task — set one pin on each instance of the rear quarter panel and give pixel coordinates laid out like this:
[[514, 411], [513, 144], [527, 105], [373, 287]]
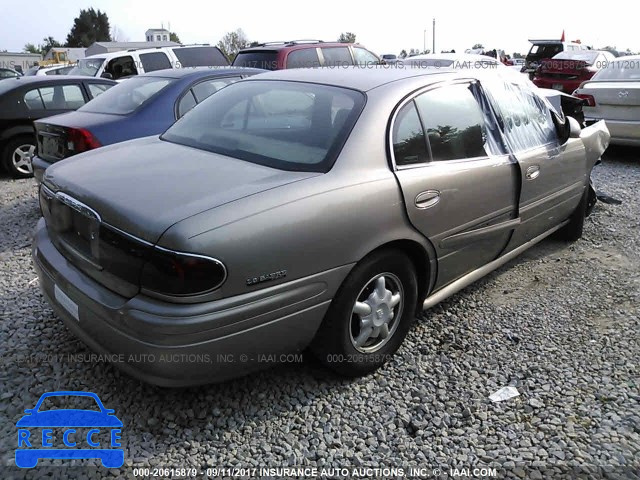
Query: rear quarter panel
[[310, 226]]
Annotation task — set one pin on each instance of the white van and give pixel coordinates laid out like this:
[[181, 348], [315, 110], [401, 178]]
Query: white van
[[118, 65]]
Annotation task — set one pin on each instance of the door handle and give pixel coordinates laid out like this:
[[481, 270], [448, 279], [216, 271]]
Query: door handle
[[427, 199], [532, 172]]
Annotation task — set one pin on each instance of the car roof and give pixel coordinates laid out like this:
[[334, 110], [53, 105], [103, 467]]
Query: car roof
[[201, 71], [119, 53], [456, 57], [362, 78], [296, 45], [11, 83]]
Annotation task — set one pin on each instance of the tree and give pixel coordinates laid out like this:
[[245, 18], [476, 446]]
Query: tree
[[403, 53], [89, 27], [174, 37], [31, 48], [49, 43], [347, 37], [477, 46], [232, 43]]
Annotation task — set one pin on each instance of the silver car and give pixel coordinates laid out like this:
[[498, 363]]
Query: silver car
[[613, 95], [316, 208]]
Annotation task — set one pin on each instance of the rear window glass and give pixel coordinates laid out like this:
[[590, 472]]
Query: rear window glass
[[200, 57], [87, 67], [127, 96], [304, 58], [59, 97], [409, 145], [154, 61], [285, 125], [544, 51], [620, 70], [337, 56], [454, 123], [267, 60]]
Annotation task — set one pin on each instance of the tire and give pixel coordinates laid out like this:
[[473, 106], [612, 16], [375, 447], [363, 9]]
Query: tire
[[573, 230], [17, 154], [342, 342]]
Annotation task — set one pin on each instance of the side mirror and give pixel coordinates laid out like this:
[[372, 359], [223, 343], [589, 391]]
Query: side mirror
[[107, 75], [574, 128]]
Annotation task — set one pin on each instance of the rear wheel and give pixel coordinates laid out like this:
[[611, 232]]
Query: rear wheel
[[17, 156], [369, 316]]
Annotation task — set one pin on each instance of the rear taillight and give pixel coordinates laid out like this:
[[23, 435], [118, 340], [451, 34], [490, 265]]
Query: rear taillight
[[81, 140], [587, 100], [177, 274]]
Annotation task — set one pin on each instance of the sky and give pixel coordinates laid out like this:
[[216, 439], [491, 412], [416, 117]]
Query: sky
[[401, 25]]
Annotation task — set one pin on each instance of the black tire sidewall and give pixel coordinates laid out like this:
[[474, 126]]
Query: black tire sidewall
[[332, 345], [7, 154]]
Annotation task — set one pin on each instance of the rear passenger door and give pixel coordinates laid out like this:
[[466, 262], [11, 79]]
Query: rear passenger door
[[459, 186]]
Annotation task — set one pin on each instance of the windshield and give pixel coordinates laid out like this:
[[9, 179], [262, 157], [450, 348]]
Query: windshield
[[87, 67], [587, 56], [267, 60], [284, 125], [620, 70], [127, 96]]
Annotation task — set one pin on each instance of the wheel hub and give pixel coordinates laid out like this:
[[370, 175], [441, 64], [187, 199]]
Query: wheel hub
[[375, 314]]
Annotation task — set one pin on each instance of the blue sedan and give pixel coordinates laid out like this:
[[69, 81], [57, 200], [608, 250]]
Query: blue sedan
[[141, 106]]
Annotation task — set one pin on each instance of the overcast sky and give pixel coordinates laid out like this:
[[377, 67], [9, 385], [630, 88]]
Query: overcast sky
[[390, 29]]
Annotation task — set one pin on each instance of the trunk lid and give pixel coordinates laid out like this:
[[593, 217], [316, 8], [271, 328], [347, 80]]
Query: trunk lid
[[566, 69], [614, 100], [144, 186], [52, 133], [94, 203]]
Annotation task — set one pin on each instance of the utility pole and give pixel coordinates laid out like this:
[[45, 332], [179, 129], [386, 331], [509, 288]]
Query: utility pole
[[424, 40], [434, 36]]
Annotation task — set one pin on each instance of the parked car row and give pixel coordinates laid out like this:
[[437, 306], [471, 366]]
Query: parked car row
[[306, 208], [145, 105]]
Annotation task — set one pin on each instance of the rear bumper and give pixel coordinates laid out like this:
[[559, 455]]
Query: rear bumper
[[623, 132], [188, 344], [39, 166]]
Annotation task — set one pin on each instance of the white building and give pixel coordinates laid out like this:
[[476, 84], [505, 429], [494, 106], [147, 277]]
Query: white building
[[157, 35]]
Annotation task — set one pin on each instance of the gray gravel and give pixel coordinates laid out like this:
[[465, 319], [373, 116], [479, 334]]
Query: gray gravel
[[560, 323]]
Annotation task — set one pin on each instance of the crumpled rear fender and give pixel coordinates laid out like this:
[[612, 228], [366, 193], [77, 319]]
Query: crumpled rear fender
[[596, 140]]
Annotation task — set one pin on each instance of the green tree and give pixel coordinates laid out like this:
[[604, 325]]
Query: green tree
[[347, 37], [232, 43], [89, 27], [31, 48], [477, 46], [174, 37], [49, 43], [403, 54]]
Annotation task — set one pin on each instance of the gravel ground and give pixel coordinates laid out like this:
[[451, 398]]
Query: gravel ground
[[560, 323]]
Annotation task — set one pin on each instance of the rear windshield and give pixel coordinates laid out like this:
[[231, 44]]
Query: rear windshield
[[544, 51], [87, 67], [265, 59], [620, 69], [285, 125], [200, 57], [127, 96], [587, 56]]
